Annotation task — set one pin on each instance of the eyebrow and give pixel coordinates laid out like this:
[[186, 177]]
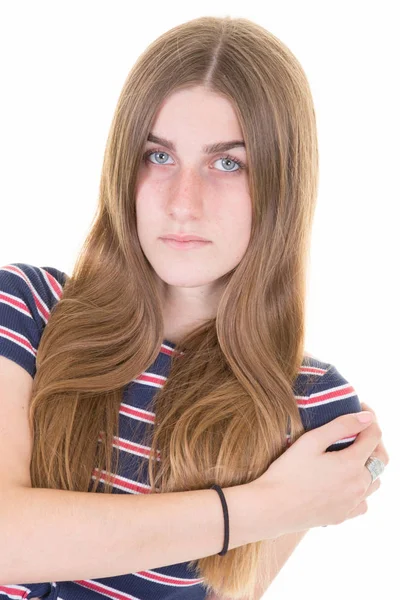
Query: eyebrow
[[207, 149]]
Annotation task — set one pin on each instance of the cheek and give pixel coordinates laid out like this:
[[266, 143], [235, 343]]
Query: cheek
[[148, 203], [145, 206], [237, 223], [235, 241], [143, 221]]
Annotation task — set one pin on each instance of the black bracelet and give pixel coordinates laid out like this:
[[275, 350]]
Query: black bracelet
[[226, 519]]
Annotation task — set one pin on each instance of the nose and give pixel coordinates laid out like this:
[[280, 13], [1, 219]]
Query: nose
[[187, 192]]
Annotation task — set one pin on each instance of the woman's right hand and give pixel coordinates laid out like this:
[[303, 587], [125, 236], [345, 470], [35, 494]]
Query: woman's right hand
[[312, 487]]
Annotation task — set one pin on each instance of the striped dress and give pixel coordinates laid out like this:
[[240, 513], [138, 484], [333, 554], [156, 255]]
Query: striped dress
[[27, 295]]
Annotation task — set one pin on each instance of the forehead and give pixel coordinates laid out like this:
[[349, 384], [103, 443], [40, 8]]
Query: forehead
[[196, 114]]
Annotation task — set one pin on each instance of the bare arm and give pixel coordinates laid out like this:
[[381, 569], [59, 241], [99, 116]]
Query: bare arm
[[104, 535], [86, 535]]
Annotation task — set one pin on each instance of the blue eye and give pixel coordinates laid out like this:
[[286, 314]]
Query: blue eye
[[150, 152], [240, 164]]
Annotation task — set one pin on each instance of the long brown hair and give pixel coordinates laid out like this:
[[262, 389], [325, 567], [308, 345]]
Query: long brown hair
[[222, 414]]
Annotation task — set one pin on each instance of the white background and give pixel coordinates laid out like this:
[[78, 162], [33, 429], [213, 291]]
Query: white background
[[63, 65]]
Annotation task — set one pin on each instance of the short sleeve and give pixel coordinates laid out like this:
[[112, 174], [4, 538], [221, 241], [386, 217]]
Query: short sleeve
[[27, 295], [331, 396]]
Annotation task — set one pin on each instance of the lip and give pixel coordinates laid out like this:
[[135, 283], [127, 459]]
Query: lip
[[184, 238], [189, 245]]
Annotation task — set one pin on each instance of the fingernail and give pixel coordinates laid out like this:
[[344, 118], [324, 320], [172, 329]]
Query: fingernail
[[364, 416]]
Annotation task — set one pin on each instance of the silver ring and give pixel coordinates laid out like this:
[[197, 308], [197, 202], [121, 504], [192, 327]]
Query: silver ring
[[375, 466]]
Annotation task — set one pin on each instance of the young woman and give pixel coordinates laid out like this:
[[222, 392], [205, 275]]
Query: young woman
[[162, 367]]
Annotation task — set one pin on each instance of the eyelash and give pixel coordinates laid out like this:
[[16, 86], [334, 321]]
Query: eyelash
[[227, 156]]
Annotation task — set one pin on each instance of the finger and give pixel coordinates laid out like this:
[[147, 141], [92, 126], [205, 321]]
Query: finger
[[381, 446], [381, 452], [365, 406], [373, 487], [367, 474], [361, 509], [364, 444]]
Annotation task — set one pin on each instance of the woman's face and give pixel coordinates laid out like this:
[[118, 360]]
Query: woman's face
[[189, 190]]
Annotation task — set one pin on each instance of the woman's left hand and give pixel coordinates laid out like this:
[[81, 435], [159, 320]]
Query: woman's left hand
[[380, 447]]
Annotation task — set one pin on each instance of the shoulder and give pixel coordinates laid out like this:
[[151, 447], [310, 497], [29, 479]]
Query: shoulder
[[27, 278], [27, 295], [323, 393]]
